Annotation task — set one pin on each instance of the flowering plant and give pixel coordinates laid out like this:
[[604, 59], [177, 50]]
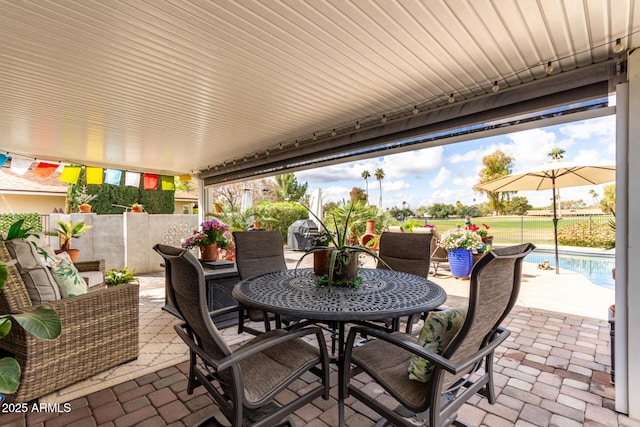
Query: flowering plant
[[482, 232], [461, 239], [211, 232]]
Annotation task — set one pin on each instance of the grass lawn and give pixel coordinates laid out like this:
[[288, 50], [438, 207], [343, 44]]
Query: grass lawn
[[518, 229]]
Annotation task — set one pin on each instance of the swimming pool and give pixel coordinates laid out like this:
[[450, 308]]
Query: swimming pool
[[597, 268]]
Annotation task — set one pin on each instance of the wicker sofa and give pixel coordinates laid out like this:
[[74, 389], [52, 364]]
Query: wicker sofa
[[99, 331]]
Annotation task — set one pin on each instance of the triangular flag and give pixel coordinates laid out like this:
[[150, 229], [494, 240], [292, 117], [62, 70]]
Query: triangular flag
[[132, 179], [167, 182], [184, 178], [70, 174], [3, 159], [20, 166], [150, 181], [112, 176], [45, 169], [94, 175]]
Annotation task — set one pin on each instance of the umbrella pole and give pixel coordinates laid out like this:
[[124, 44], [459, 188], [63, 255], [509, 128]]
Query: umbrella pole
[[555, 227]]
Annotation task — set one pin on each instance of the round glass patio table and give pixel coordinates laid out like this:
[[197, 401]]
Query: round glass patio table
[[383, 294]]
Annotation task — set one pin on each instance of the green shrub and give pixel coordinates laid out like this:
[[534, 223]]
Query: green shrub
[[31, 220], [586, 234], [279, 216], [115, 277]]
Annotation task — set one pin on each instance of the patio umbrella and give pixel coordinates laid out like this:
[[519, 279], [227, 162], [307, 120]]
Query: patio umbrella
[[247, 203], [316, 206], [551, 176]]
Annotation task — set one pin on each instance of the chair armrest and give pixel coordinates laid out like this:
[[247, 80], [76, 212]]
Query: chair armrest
[[249, 350], [410, 346], [94, 265]]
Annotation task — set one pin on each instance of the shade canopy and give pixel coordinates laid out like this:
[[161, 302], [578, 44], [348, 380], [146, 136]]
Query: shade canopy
[[553, 175], [550, 176]]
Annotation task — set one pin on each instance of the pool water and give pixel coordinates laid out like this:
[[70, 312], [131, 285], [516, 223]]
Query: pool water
[[597, 268]]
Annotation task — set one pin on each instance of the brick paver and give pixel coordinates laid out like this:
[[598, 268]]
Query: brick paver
[[546, 374]]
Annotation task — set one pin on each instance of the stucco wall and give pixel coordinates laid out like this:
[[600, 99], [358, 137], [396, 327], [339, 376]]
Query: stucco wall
[[127, 239]]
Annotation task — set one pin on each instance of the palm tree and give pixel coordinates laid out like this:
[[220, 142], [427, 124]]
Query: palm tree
[[594, 196], [366, 175], [557, 153], [379, 173]]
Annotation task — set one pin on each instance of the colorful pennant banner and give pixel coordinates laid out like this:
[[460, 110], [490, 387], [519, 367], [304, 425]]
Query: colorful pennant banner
[[167, 183], [132, 179], [94, 175], [150, 181], [112, 176], [70, 174], [45, 169], [20, 166]]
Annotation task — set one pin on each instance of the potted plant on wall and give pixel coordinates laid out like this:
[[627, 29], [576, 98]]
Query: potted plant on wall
[[84, 198], [66, 231]]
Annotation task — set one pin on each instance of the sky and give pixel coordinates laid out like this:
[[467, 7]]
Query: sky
[[447, 174]]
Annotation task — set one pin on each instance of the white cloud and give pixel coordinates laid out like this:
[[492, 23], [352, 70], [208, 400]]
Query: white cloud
[[413, 162], [590, 129], [390, 186], [441, 178]]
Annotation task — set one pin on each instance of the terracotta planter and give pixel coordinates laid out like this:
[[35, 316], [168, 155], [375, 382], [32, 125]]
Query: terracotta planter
[[209, 253], [136, 209], [73, 253], [369, 234], [84, 208]]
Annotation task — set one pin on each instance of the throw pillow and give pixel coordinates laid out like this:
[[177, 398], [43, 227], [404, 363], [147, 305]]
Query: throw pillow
[[68, 278], [40, 285], [440, 327]]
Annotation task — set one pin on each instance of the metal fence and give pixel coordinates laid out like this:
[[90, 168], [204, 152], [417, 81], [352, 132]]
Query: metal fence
[[520, 229]]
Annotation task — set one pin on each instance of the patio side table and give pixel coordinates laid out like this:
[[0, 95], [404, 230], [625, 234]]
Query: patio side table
[[219, 285]]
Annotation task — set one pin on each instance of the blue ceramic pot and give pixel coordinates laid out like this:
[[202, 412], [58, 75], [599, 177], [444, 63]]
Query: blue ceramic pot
[[460, 262]]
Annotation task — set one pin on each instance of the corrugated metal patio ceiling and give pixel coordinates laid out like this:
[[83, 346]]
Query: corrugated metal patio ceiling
[[179, 86]]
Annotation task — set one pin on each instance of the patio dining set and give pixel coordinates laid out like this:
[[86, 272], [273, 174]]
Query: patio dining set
[[429, 373]]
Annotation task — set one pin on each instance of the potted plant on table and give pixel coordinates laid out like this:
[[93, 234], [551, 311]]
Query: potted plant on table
[[341, 258], [460, 244], [66, 231], [211, 237]]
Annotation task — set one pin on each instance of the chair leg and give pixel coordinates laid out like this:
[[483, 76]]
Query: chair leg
[[491, 390]]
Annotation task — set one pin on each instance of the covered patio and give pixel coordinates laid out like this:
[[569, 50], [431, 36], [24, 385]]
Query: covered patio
[[228, 91], [555, 369]]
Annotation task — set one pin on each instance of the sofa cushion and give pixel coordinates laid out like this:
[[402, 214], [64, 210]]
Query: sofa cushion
[[68, 278], [39, 282], [439, 328]]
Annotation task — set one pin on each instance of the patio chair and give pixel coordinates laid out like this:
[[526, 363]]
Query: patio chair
[[456, 369], [439, 256], [244, 382], [258, 252], [406, 252]]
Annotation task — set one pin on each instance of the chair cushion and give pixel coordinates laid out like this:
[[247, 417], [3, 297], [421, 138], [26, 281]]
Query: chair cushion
[[39, 282], [437, 332], [68, 278]]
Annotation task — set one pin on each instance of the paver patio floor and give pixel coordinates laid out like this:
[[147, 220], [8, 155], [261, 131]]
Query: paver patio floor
[[553, 370]]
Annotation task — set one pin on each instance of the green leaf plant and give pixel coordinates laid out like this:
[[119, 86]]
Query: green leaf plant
[[339, 251]]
